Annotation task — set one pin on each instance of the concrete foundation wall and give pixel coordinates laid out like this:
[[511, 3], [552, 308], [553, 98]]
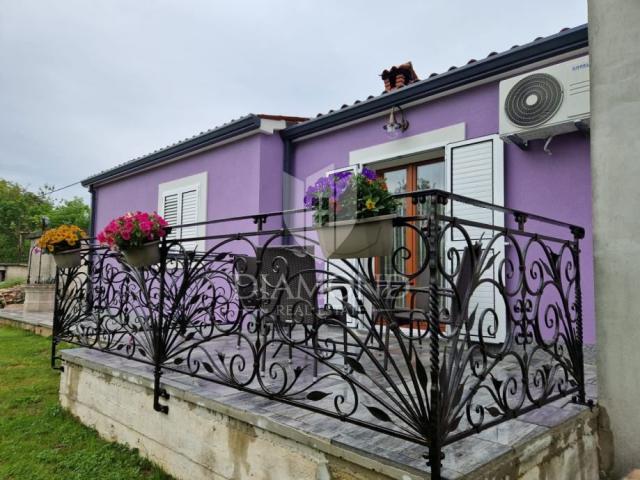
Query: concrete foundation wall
[[38, 329], [200, 439], [614, 31], [193, 442]]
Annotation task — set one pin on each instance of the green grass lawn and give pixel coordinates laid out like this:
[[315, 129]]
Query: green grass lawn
[[39, 440], [12, 283]]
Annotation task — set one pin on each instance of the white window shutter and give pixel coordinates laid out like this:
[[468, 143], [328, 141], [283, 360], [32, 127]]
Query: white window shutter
[[182, 202], [170, 210], [189, 214], [475, 169]]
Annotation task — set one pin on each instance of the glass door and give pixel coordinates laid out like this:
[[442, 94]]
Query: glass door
[[397, 183], [410, 178]]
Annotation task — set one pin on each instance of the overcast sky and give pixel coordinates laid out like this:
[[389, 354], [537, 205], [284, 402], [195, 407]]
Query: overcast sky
[[85, 85]]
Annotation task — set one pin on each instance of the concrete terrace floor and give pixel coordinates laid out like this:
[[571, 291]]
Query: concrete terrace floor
[[461, 458]]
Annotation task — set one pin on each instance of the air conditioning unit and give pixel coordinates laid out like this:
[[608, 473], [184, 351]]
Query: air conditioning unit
[[545, 102]]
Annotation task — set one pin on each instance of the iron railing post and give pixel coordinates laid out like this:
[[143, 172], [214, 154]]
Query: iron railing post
[[435, 415], [578, 233], [89, 292], [39, 280], [55, 328], [158, 333], [261, 358]]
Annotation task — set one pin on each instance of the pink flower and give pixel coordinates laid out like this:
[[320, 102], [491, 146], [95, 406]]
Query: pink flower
[[143, 225], [146, 226]]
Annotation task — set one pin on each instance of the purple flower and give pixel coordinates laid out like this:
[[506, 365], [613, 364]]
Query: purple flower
[[342, 175], [308, 201], [322, 184], [370, 174]]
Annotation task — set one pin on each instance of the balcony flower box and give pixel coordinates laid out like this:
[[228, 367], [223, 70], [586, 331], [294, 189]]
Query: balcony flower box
[[63, 243], [137, 236], [143, 256], [353, 214]]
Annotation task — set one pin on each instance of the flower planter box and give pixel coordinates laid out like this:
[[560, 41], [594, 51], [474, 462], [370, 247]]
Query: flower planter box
[[68, 258], [144, 256], [369, 237]]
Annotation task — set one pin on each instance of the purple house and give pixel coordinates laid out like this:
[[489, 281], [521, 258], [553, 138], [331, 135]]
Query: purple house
[[451, 131], [459, 319]]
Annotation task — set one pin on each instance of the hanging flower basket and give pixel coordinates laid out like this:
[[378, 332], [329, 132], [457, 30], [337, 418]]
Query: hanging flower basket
[[353, 214], [144, 256], [63, 243], [137, 236], [68, 258], [369, 237]]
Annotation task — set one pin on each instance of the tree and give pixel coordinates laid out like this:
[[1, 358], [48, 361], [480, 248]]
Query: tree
[[73, 211], [21, 213]]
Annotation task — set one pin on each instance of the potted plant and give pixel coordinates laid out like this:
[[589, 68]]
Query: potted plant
[[63, 243], [137, 235], [353, 214]]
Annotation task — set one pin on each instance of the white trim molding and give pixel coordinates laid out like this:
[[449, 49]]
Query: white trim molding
[[403, 147]]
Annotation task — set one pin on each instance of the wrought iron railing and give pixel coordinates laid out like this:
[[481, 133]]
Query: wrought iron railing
[[474, 320]]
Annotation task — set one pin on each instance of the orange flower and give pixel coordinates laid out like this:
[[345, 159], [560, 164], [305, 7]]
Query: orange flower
[[60, 237]]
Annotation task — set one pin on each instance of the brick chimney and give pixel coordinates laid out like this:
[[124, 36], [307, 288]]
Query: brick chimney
[[399, 76]]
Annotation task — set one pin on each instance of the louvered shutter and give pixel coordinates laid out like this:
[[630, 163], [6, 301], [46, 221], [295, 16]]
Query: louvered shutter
[[170, 209], [189, 214], [475, 169], [181, 207], [183, 201]]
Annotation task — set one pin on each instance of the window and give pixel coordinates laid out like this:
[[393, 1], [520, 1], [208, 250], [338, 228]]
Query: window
[[183, 202]]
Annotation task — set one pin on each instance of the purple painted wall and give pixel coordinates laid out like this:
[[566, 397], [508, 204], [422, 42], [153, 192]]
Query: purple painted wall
[[236, 173], [557, 186], [478, 108]]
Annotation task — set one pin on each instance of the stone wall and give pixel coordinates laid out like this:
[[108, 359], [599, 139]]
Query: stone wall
[[11, 296]]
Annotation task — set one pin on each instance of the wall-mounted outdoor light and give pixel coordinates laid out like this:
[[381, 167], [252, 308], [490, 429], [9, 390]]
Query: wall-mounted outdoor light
[[396, 123]]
